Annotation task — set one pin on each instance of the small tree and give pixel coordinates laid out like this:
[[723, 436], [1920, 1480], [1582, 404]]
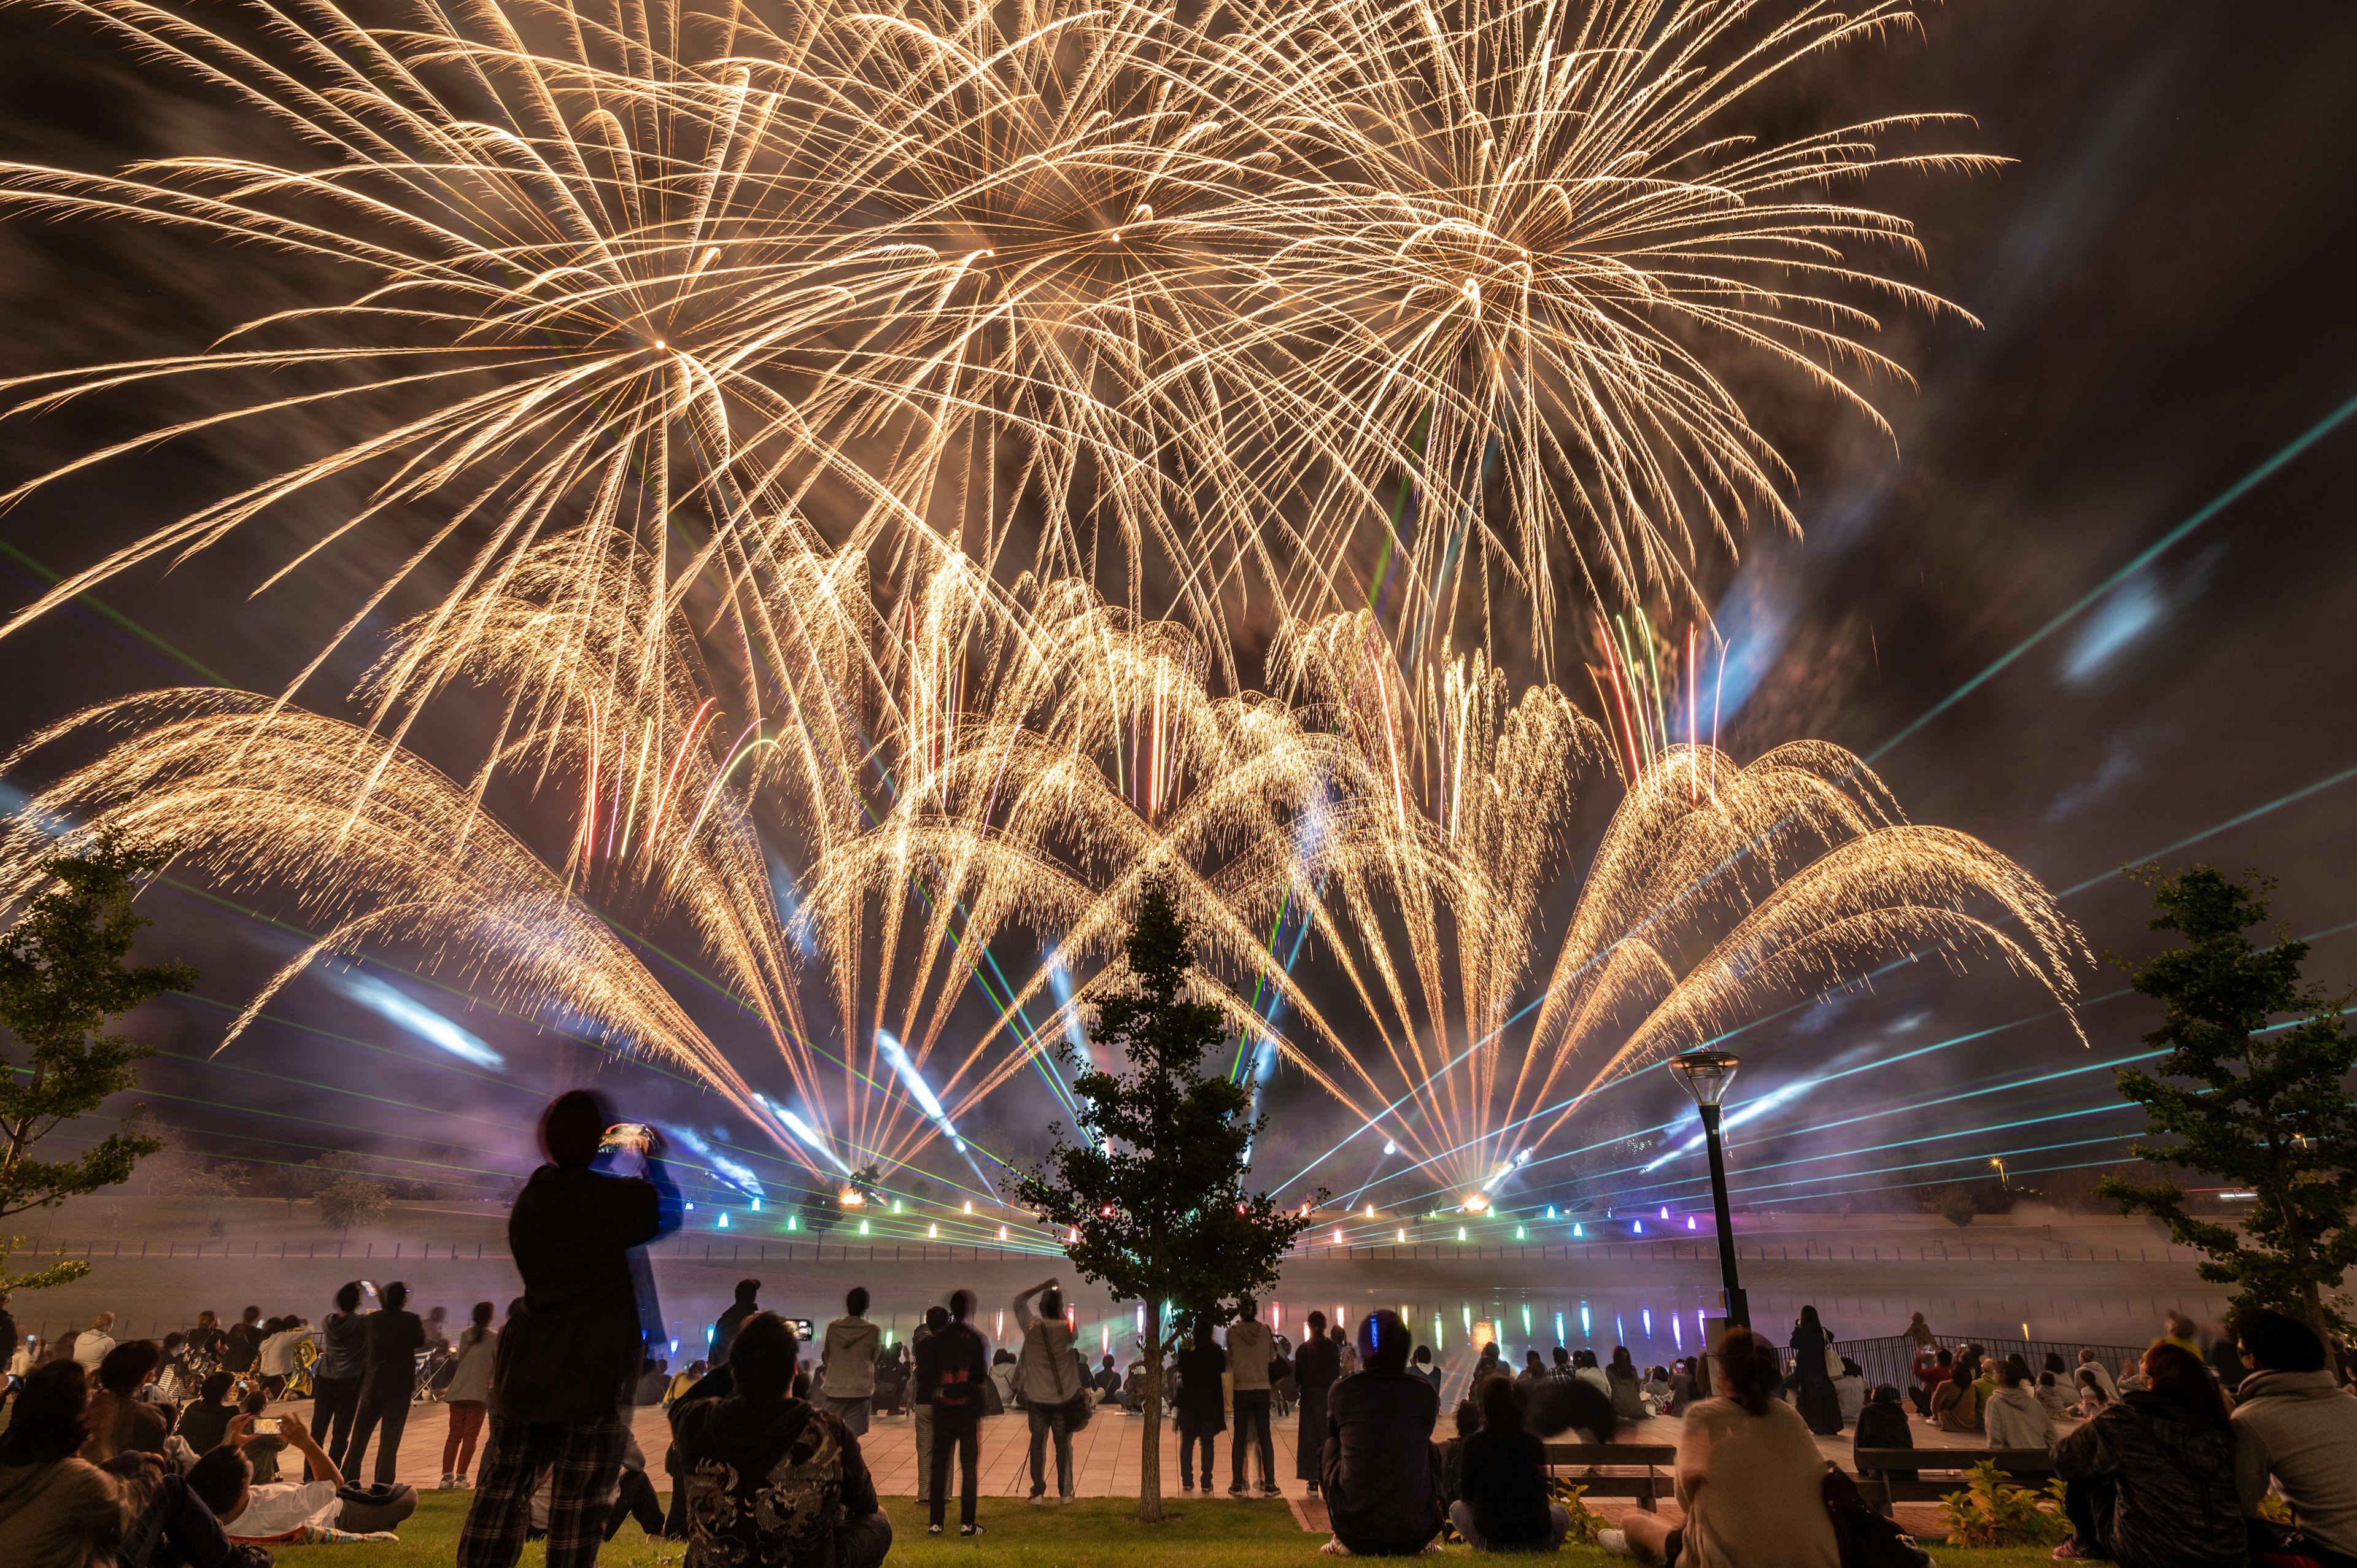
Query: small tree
[[349, 1200], [2267, 1111], [1155, 1189], [61, 979]]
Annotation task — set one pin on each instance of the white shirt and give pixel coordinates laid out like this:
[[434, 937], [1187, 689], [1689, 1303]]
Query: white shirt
[[279, 1353], [90, 1348], [285, 1507]]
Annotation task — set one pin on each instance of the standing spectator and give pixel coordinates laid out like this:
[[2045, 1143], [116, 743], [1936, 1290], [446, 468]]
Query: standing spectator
[[1249, 1355], [1813, 1383], [1315, 1369], [847, 1389], [58, 1511], [92, 1344], [732, 1317], [390, 1384], [1750, 1476], [2292, 1421], [1625, 1386], [467, 1395], [1377, 1461], [920, 1401], [1503, 1503], [568, 1352], [438, 1328], [1048, 1379], [1201, 1406], [241, 1346], [336, 1377], [2014, 1418], [2150, 1482], [1425, 1370], [205, 1420], [774, 1482], [953, 1363]]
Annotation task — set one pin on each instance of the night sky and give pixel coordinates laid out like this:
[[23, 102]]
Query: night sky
[[2162, 278]]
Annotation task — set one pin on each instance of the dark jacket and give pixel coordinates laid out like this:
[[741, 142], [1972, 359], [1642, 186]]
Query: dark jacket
[[1883, 1425], [572, 1350], [343, 1348], [393, 1340], [1378, 1462], [203, 1422], [2174, 1504], [724, 1329], [952, 1367], [239, 1346], [1201, 1405], [768, 1481], [1317, 1364], [1503, 1476]]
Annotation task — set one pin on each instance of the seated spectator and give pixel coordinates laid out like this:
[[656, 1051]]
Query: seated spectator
[[654, 1382], [2091, 1365], [1623, 1384], [1849, 1391], [772, 1481], [2014, 1418], [1934, 1368], [291, 1513], [1883, 1424], [1749, 1474], [1533, 1369], [120, 1420], [1682, 1388], [2150, 1482], [1503, 1503], [206, 1419], [1584, 1368], [1376, 1466], [261, 1448], [1452, 1455], [1107, 1381], [1002, 1377], [1657, 1387], [682, 1381], [59, 1511], [2055, 1399], [91, 1345], [1955, 1407], [2091, 1397], [2292, 1421]]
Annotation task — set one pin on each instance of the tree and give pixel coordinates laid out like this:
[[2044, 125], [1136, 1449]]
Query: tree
[[2267, 1108], [61, 979], [1155, 1187], [349, 1200]]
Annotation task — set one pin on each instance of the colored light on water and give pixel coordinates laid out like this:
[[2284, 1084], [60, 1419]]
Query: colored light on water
[[1677, 1332], [1585, 1331], [1559, 1328]]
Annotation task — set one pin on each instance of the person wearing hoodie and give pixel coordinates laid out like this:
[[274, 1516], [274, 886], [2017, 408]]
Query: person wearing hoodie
[[2150, 1482], [1955, 1404], [2014, 1418], [2092, 1363], [732, 1318], [1883, 1424], [952, 1365], [847, 1389], [2292, 1421], [58, 1511], [336, 1376], [1250, 1349], [1050, 1379]]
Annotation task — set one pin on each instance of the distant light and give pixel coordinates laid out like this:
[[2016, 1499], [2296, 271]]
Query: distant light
[[1690, 1225], [969, 1205], [756, 1205], [1338, 1235], [1518, 1234], [1460, 1232], [2244, 1196], [1579, 1231], [690, 1208], [863, 1228], [707, 1334], [896, 1205], [1390, 1148], [1001, 1232], [1402, 1233], [1665, 1212], [793, 1222], [932, 1232], [1638, 1226], [674, 1347], [724, 1222], [1550, 1211]]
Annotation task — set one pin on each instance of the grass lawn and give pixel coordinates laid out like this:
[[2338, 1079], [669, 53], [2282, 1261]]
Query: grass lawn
[[1216, 1533]]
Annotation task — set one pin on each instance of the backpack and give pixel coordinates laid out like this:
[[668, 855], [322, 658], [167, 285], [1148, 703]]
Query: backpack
[[1865, 1538]]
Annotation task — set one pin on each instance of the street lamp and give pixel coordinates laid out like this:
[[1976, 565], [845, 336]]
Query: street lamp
[[1706, 1075]]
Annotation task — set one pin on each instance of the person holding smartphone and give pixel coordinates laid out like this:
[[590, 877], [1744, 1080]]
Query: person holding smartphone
[[283, 1511]]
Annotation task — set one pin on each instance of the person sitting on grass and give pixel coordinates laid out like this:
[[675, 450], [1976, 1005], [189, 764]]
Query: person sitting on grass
[[1750, 1477], [1503, 1503], [59, 1511], [120, 1420], [206, 1419], [773, 1482], [1377, 1464], [2149, 1483], [2293, 1421], [291, 1513], [1452, 1455]]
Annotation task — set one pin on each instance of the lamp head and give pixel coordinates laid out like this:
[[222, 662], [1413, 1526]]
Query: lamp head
[[1706, 1074]]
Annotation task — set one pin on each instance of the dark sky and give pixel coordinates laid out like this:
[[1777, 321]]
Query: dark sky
[[2162, 278]]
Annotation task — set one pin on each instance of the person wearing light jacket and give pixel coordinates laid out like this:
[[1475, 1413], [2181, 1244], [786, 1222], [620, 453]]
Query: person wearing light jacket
[[848, 1393], [1250, 1350], [1049, 1377], [2014, 1418], [2293, 1422]]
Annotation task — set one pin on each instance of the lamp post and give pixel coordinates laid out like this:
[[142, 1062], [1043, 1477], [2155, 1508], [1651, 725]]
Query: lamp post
[[1706, 1075]]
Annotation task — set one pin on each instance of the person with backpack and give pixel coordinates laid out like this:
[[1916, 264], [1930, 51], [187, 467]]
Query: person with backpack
[[953, 1370], [773, 1481]]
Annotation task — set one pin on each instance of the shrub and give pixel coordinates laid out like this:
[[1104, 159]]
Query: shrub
[[1993, 1512]]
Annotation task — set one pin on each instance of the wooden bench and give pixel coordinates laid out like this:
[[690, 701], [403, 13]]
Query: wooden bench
[[2027, 1467], [1653, 1457]]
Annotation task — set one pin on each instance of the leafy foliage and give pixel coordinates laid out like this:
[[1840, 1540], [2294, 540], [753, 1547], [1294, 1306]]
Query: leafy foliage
[[1991, 1511], [1585, 1521], [2267, 1108], [349, 1200], [1155, 1187], [62, 977]]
